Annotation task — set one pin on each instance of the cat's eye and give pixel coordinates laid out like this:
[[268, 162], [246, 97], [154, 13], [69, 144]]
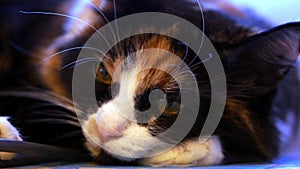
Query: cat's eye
[[171, 108], [103, 76]]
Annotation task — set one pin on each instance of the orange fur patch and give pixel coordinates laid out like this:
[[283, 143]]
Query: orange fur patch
[[149, 77]]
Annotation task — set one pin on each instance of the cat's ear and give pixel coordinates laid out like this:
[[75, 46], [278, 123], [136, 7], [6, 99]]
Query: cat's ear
[[266, 58]]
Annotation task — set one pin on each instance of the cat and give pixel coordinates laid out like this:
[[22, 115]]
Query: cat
[[35, 58]]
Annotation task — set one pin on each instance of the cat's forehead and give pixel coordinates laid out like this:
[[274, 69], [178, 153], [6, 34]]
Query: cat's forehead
[[152, 62], [141, 51]]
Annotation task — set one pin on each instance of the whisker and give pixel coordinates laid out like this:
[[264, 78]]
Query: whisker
[[79, 62], [182, 74], [207, 59], [85, 62], [20, 48], [186, 50], [191, 67], [70, 17], [203, 30], [201, 43], [104, 17], [115, 15], [203, 26], [67, 50]]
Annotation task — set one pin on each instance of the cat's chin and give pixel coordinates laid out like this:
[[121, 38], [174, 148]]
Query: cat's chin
[[136, 141]]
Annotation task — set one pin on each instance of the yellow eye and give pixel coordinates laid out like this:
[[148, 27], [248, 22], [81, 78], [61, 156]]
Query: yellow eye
[[103, 76], [168, 108], [172, 108]]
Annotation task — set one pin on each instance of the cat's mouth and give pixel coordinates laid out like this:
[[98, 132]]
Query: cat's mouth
[[132, 142]]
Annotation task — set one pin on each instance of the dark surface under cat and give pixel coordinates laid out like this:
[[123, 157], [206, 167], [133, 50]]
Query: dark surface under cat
[[291, 161]]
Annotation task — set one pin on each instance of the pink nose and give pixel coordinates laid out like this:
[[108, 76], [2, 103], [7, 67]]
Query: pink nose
[[110, 123], [108, 132]]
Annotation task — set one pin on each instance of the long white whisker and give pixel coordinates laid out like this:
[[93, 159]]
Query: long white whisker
[[203, 30], [67, 50], [67, 16], [20, 48], [87, 61], [186, 52], [104, 17], [115, 15], [79, 62], [203, 26], [207, 59]]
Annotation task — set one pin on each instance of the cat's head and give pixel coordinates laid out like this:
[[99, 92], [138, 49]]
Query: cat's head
[[254, 67]]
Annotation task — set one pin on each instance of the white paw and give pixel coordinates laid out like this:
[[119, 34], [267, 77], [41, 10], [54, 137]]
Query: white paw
[[190, 153], [8, 132], [89, 127]]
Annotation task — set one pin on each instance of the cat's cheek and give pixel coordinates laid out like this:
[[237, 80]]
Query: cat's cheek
[[190, 153]]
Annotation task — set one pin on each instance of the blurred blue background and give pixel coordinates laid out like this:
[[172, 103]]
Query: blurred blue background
[[276, 11]]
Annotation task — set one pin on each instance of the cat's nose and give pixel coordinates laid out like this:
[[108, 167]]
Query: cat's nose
[[110, 124], [108, 132]]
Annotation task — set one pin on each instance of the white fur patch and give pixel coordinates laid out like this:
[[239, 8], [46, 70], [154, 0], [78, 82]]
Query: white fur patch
[[190, 153], [8, 132], [136, 141]]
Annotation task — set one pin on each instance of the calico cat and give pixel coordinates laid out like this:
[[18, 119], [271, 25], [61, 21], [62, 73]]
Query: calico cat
[[38, 56]]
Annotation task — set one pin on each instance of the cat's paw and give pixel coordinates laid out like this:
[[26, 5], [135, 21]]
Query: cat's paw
[[91, 145], [190, 153], [8, 132]]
